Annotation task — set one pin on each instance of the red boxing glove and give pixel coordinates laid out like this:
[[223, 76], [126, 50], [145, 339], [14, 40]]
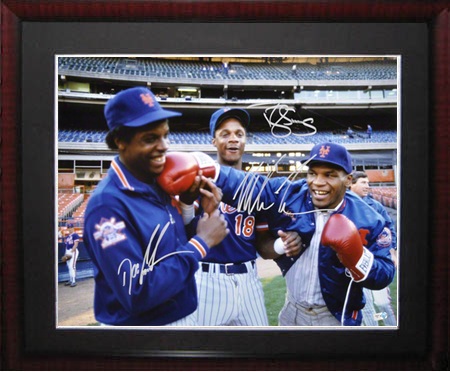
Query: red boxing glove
[[181, 168], [342, 236]]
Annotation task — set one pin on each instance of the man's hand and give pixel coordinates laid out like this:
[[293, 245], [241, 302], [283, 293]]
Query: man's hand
[[211, 196], [212, 228], [269, 248], [292, 242], [193, 193]]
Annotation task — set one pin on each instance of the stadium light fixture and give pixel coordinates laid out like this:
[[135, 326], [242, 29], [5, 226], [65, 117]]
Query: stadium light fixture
[[187, 89]]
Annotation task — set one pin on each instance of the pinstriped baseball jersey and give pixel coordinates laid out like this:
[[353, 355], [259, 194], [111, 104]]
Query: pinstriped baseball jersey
[[368, 311], [230, 300], [303, 284], [236, 299]]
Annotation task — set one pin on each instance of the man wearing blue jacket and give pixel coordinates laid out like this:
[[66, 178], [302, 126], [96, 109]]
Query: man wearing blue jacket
[[346, 243], [144, 266], [381, 298], [324, 284]]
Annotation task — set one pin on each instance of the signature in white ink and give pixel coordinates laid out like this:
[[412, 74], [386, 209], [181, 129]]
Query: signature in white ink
[[244, 193], [277, 116], [131, 270], [250, 192]]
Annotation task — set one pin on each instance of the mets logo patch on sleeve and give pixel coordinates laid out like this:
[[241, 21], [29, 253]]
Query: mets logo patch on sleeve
[[384, 240], [109, 232]]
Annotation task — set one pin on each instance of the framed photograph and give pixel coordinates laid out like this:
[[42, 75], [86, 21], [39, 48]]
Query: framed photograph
[[293, 103], [36, 101]]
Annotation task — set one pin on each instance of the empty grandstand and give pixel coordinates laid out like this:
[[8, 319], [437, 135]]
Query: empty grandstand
[[167, 69]]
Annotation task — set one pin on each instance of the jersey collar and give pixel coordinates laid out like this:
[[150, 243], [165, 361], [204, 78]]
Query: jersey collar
[[121, 173], [127, 181]]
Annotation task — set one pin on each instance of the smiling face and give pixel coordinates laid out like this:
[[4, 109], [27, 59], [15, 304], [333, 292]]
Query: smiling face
[[327, 184], [230, 138], [361, 187], [144, 154]]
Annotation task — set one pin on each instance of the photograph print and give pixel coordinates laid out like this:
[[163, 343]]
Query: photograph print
[[227, 191]]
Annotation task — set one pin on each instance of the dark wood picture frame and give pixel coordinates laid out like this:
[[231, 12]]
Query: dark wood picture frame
[[27, 341]]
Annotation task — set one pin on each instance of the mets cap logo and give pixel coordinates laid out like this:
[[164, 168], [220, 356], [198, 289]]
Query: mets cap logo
[[147, 99], [324, 151]]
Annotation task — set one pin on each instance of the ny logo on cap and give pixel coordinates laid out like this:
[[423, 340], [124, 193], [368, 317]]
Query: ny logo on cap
[[147, 99], [324, 151]]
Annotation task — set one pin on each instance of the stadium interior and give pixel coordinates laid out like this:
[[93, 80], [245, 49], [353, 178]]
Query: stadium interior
[[294, 102]]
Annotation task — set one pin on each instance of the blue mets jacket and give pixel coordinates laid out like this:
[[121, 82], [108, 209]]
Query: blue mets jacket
[[381, 210], [144, 265], [287, 205]]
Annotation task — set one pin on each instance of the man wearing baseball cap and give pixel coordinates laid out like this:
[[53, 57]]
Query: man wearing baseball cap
[[346, 243], [144, 265], [230, 292]]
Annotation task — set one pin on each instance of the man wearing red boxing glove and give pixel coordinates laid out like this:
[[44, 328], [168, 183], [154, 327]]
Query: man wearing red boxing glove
[[230, 292], [324, 283], [144, 264], [341, 235], [181, 170]]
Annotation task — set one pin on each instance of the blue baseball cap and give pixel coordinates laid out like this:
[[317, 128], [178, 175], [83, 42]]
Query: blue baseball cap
[[332, 153], [69, 225], [135, 107], [225, 113]]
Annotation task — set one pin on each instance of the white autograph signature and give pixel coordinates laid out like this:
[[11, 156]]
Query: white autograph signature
[[279, 120], [249, 198], [131, 270]]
